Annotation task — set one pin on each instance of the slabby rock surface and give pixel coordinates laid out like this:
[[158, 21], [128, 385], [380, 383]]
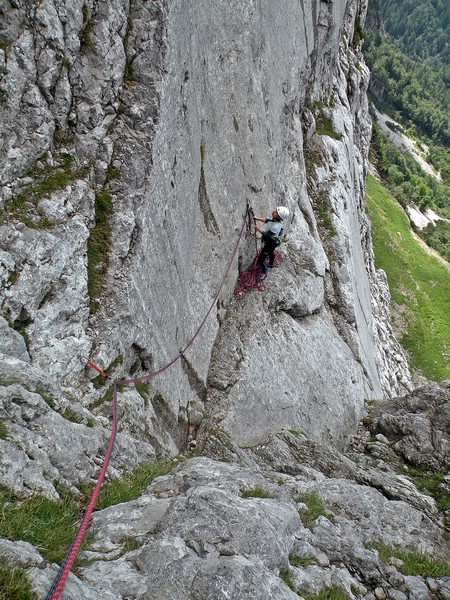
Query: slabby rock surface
[[179, 113], [241, 529]]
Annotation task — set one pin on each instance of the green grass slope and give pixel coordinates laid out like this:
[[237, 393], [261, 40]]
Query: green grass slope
[[419, 285]]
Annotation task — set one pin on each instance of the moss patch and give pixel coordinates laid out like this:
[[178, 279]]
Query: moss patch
[[98, 247], [46, 181]]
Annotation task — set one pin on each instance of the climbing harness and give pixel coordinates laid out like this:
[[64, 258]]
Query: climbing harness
[[66, 566]]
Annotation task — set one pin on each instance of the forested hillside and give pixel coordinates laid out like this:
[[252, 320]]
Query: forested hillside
[[420, 28], [418, 91], [407, 51], [405, 177]]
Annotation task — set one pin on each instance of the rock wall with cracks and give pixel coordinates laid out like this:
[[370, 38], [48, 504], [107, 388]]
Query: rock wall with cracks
[[175, 114], [132, 135]]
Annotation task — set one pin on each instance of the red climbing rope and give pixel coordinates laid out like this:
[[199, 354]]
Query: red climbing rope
[[191, 341], [252, 278], [66, 566], [67, 563]]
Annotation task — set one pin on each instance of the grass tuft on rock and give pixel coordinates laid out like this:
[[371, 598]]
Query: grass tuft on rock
[[14, 584], [98, 247], [316, 508], [48, 180], [324, 126], [299, 561], [414, 563], [434, 484], [327, 593], [51, 525], [131, 485], [4, 432], [255, 492]]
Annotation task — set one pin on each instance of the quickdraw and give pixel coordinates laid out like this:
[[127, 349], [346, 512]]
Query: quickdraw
[[93, 366], [250, 222]]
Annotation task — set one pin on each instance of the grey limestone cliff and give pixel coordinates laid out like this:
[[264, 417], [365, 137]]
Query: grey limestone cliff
[[174, 114], [133, 134]]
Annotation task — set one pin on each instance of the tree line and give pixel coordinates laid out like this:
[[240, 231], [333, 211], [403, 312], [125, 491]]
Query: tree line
[[420, 28], [417, 91], [407, 51]]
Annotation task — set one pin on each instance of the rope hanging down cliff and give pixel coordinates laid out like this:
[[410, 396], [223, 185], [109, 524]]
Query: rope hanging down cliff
[[66, 566]]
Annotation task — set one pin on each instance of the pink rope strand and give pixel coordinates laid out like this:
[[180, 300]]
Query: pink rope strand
[[66, 566]]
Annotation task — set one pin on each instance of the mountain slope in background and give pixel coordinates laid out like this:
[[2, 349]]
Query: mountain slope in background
[[409, 150], [418, 282], [420, 28]]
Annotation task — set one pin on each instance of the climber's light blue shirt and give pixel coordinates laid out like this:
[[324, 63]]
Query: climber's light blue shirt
[[273, 229]]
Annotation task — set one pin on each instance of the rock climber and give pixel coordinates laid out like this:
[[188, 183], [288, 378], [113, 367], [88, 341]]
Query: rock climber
[[271, 236]]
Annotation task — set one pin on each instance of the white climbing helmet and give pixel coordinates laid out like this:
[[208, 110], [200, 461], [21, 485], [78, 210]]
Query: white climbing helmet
[[283, 212]]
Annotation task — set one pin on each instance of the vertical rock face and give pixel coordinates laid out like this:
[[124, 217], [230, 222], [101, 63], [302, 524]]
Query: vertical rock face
[[133, 133], [139, 130]]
